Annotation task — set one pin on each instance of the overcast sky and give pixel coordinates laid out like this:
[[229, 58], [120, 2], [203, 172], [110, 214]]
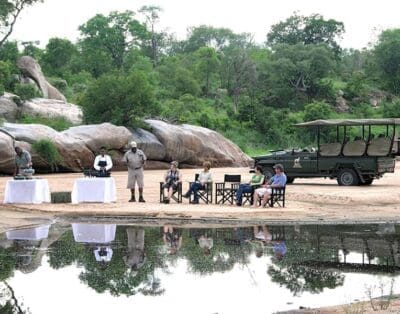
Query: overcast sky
[[363, 19]]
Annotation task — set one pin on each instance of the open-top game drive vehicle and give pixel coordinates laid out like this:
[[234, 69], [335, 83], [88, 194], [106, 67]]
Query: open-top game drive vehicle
[[352, 161]]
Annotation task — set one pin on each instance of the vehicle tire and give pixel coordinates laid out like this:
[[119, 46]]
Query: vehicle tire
[[367, 181], [268, 172], [347, 177], [289, 180]]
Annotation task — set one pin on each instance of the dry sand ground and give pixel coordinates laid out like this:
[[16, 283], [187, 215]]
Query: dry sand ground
[[308, 201]]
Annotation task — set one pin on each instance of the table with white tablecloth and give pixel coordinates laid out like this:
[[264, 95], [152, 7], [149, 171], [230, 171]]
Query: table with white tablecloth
[[34, 191], [100, 190]]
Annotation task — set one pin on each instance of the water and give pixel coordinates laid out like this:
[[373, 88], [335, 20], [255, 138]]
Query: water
[[105, 268]]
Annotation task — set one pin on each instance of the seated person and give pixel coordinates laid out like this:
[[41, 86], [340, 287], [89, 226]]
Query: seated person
[[103, 254], [171, 181], [202, 180], [103, 163], [257, 179], [172, 239], [23, 162], [265, 191]]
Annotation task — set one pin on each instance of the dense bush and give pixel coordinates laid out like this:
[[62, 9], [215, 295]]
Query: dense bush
[[58, 124], [47, 150], [26, 91]]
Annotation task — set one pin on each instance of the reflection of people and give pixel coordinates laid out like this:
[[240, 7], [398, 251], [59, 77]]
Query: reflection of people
[[265, 191], [135, 160], [204, 177], [172, 238], [171, 181], [103, 162], [206, 243], [23, 161], [262, 237], [103, 254], [136, 256], [257, 179]]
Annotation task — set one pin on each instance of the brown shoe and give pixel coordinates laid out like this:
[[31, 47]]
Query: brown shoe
[[141, 199], [133, 199]]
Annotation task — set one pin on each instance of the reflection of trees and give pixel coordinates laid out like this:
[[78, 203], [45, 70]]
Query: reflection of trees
[[222, 257], [9, 304], [298, 278], [114, 277]]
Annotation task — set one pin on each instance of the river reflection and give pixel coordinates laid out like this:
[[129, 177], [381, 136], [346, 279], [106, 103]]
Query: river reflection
[[104, 267]]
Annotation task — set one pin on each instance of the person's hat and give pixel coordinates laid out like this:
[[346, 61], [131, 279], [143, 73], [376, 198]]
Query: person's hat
[[175, 163], [133, 144], [279, 166]]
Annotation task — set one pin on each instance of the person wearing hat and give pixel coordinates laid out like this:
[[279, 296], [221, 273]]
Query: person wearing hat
[[265, 191], [135, 255], [135, 160], [103, 162], [171, 181], [23, 161]]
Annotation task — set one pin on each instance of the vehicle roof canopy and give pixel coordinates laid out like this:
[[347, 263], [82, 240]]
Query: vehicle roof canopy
[[350, 122]]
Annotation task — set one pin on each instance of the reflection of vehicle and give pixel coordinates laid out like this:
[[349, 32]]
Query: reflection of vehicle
[[356, 161]]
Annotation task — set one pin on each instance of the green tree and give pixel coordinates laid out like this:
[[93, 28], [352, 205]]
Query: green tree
[[9, 12], [317, 110], [207, 64], [387, 57], [313, 29], [119, 99], [296, 71], [110, 37], [57, 56], [156, 39]]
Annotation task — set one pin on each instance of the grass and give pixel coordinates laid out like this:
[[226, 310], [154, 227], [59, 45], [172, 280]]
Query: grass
[[58, 124]]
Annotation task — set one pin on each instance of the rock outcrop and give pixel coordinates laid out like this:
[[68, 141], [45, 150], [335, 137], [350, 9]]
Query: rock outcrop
[[32, 69], [77, 146], [7, 154], [72, 150], [194, 145], [8, 108], [50, 108]]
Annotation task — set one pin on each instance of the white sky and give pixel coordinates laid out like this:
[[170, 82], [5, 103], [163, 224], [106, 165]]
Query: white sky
[[363, 19]]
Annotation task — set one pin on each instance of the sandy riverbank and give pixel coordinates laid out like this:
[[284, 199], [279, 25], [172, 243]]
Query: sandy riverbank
[[308, 201]]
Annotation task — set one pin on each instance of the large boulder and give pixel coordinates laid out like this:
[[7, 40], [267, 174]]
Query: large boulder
[[73, 151], [32, 69], [96, 135], [7, 154], [149, 143], [50, 108], [194, 145], [8, 108]]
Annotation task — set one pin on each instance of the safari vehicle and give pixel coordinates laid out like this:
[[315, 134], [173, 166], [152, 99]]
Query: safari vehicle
[[352, 161]]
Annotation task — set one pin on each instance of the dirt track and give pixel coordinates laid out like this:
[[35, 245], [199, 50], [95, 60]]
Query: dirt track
[[308, 201]]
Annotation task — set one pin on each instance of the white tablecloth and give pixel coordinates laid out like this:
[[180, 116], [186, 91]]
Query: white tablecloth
[[33, 191], [37, 233], [94, 233], [101, 190]]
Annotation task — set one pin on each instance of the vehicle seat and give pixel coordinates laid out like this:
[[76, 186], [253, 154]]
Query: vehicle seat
[[330, 149], [355, 148], [379, 146]]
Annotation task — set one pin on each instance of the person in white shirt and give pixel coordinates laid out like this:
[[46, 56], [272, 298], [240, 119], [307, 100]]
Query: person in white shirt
[[103, 162], [200, 184], [103, 254]]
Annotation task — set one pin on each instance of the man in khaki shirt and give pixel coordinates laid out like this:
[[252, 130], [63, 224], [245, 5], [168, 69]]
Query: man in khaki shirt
[[135, 160]]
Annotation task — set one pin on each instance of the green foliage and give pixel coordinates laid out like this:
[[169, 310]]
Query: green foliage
[[391, 110], [58, 124], [119, 99], [58, 83], [57, 56], [2, 90], [306, 30], [26, 91], [9, 12], [317, 110], [387, 56], [47, 150]]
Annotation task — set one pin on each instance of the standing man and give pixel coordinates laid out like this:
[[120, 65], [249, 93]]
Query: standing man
[[103, 162], [135, 160], [23, 160]]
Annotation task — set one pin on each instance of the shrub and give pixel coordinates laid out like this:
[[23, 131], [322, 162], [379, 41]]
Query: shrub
[[26, 91], [59, 83], [2, 90], [58, 124], [47, 150]]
